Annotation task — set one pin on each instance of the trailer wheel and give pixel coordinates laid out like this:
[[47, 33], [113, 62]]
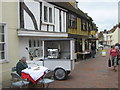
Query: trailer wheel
[[60, 74]]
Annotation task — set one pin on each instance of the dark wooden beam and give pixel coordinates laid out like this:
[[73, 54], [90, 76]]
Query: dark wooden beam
[[40, 15], [21, 16], [31, 15], [60, 20]]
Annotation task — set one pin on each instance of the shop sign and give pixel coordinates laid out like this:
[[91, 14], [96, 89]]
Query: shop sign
[[92, 32]]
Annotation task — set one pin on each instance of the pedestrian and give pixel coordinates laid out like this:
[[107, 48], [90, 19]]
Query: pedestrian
[[22, 64], [117, 46], [93, 50], [113, 55]]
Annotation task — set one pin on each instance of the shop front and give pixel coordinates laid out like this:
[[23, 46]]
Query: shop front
[[81, 46]]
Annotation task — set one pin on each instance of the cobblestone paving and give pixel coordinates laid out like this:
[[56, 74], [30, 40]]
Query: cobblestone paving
[[92, 73]]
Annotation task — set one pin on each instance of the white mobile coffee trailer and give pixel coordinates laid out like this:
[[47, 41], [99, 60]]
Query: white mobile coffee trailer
[[59, 55]]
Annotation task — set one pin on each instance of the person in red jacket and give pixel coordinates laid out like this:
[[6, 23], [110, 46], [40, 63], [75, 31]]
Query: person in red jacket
[[114, 53]]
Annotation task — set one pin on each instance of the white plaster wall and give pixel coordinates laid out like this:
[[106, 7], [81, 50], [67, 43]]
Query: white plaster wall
[[51, 28], [62, 28], [23, 43], [119, 32], [34, 7], [115, 37], [57, 26], [63, 20], [44, 27], [83, 44], [105, 37]]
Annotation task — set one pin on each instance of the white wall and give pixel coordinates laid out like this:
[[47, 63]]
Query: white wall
[[34, 7], [115, 37], [57, 25], [83, 44], [44, 28], [118, 11], [22, 47], [105, 36], [119, 32]]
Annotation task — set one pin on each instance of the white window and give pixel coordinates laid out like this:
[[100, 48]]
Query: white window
[[84, 25], [48, 13], [72, 21], [3, 44], [45, 14], [36, 48]]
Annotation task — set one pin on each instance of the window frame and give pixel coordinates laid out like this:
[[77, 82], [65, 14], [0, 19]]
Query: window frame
[[72, 18], [40, 47], [45, 4], [5, 43], [84, 25]]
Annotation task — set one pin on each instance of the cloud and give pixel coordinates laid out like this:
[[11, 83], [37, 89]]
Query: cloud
[[104, 14]]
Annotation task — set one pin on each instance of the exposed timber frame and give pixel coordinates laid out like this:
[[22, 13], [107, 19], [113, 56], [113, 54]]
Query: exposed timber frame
[[22, 8]]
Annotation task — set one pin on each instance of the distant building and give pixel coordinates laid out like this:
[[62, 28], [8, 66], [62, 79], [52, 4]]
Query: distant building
[[113, 35], [101, 38]]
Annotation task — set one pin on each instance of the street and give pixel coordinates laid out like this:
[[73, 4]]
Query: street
[[92, 73]]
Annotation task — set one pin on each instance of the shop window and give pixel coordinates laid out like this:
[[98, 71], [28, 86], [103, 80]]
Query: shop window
[[72, 19], [3, 44], [36, 48]]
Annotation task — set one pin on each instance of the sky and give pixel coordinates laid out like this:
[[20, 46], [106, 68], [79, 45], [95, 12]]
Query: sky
[[103, 12]]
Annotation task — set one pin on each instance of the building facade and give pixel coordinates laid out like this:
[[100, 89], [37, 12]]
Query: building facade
[[113, 35], [26, 25]]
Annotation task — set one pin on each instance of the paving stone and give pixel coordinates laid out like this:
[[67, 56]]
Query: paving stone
[[92, 73]]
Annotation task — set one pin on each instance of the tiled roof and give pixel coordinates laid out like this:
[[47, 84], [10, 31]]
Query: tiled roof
[[113, 29]]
